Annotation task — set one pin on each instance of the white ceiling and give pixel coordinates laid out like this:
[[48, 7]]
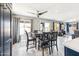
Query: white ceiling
[[57, 11]]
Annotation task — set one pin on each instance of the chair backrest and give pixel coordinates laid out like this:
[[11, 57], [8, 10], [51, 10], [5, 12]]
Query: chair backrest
[[54, 36], [41, 36], [45, 35], [27, 35]]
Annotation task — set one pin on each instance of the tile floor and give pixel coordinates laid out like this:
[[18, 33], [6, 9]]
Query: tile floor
[[19, 49]]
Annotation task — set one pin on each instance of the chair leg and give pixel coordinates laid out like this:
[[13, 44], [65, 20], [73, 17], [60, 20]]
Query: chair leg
[[49, 51], [42, 51], [35, 43], [56, 46], [51, 47], [38, 45], [27, 46]]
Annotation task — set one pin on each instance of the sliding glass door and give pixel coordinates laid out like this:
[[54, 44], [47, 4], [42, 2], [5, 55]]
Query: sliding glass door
[[25, 26]]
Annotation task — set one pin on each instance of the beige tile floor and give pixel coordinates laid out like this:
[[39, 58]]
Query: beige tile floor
[[19, 49]]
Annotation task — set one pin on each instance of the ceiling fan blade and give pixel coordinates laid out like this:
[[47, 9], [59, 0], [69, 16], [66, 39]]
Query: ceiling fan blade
[[37, 16], [43, 12], [37, 11], [31, 13]]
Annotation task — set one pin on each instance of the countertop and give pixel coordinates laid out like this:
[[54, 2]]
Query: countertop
[[73, 44]]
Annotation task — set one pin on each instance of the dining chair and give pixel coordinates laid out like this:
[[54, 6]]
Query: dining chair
[[39, 36], [45, 42], [53, 39], [30, 39]]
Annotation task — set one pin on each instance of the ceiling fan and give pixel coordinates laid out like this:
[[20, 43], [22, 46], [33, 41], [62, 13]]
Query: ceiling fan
[[38, 13]]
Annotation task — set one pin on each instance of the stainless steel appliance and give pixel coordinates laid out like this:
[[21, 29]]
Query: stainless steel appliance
[[5, 29]]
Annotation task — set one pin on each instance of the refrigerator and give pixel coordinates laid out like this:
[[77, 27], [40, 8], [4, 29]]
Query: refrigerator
[[5, 30]]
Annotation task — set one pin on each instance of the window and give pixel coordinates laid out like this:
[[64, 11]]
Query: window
[[56, 26], [25, 25], [47, 27], [72, 27], [62, 26], [21, 28]]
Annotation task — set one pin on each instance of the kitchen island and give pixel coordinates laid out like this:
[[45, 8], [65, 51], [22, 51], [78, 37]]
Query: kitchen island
[[61, 41], [71, 48]]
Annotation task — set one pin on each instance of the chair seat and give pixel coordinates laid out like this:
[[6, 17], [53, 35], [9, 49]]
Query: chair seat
[[31, 39], [53, 40], [45, 43]]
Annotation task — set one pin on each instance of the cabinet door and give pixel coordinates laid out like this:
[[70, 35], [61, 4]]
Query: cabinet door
[[6, 36]]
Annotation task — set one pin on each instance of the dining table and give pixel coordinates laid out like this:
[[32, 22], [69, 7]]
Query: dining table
[[39, 39]]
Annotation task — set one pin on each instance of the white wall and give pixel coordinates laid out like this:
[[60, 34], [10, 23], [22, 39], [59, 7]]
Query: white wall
[[48, 21], [36, 23]]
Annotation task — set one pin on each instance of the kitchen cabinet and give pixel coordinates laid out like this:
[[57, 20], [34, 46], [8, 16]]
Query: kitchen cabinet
[[70, 52]]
